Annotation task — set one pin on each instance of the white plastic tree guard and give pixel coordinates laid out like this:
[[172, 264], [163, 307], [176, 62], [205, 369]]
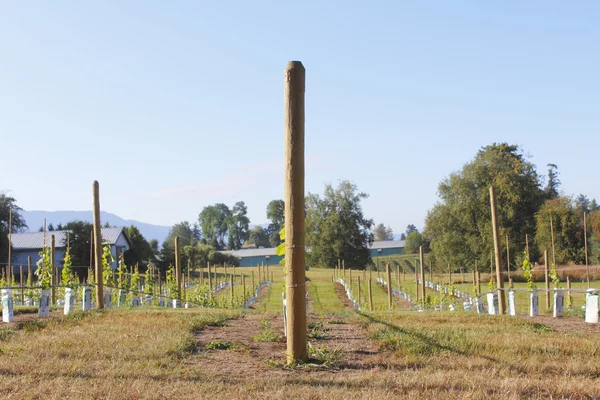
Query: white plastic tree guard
[[591, 306], [492, 300], [512, 307], [122, 298], [559, 299], [107, 298], [69, 300], [87, 299], [479, 305], [7, 305], [533, 303], [135, 301], [44, 304]]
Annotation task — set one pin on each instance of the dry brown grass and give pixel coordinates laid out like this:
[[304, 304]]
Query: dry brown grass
[[161, 354]]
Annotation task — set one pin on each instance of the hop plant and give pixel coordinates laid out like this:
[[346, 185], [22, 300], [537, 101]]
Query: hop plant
[[554, 277], [68, 278], [107, 259], [528, 273], [44, 269], [172, 283], [122, 272], [150, 281], [135, 279]]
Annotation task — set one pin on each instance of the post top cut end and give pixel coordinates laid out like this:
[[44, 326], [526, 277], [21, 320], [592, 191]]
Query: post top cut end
[[294, 65]]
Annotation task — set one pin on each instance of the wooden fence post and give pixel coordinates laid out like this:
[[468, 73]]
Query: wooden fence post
[[370, 290], [422, 262], [53, 269], [294, 87], [500, 282], [587, 265], [178, 267], [244, 288], [231, 282], [210, 282], [98, 247], [546, 278], [389, 286], [358, 280]]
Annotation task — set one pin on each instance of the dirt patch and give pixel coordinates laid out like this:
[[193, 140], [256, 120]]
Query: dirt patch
[[246, 357], [262, 295], [20, 318], [341, 293], [399, 301], [566, 324]]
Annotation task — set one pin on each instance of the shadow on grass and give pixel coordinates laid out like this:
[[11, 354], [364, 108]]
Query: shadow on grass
[[428, 341]]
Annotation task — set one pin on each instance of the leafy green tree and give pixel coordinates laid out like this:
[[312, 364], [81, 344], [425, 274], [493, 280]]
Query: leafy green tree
[[185, 232], [18, 224], [140, 251], [213, 223], [414, 240], [568, 235], [79, 243], [259, 237], [553, 182], [237, 226], [275, 214], [459, 226], [402, 236], [381, 232], [336, 227], [411, 228]]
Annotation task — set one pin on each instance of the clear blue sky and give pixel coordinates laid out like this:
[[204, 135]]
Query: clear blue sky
[[173, 106]]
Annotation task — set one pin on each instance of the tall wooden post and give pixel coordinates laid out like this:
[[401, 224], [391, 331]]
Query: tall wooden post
[[244, 288], [344, 269], [547, 280], [21, 281], [178, 267], [253, 285], [98, 247], [370, 290], [569, 289], [527, 246], [231, 282], [474, 280], [422, 262], [53, 269], [508, 258], [294, 86], [587, 265], [552, 235], [29, 269], [416, 282], [499, 280], [350, 272], [8, 266], [210, 282], [389, 286], [358, 281]]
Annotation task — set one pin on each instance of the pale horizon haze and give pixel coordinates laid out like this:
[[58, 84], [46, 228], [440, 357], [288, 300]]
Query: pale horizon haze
[[173, 106]]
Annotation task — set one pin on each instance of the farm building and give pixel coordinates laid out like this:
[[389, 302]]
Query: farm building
[[29, 244], [387, 248], [267, 256]]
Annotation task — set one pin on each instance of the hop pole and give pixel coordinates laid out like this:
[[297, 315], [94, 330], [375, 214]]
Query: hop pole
[[498, 254], [294, 81], [98, 247]]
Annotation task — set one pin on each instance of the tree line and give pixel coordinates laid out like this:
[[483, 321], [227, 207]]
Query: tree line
[[458, 228]]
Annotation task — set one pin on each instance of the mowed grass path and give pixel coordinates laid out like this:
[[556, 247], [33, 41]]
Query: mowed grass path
[[153, 354]]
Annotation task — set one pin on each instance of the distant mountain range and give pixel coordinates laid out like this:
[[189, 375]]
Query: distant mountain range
[[35, 220]]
